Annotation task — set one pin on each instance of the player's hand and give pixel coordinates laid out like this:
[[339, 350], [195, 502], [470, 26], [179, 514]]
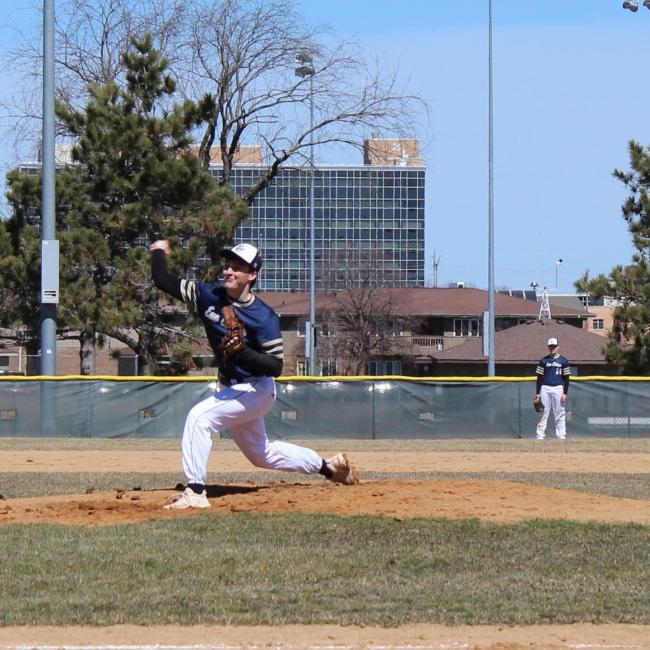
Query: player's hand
[[563, 398], [160, 245]]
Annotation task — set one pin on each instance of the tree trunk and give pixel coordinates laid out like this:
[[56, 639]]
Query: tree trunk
[[87, 351]]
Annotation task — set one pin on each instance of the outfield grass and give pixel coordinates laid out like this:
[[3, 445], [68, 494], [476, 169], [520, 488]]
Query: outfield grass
[[294, 568]]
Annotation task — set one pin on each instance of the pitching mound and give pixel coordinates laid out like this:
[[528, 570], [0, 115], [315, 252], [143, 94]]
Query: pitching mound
[[497, 501]]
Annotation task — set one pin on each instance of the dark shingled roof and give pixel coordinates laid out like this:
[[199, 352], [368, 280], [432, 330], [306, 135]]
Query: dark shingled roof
[[425, 302], [526, 344]]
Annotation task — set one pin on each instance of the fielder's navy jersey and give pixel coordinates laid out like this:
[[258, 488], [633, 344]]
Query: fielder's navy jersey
[[261, 323], [553, 370]]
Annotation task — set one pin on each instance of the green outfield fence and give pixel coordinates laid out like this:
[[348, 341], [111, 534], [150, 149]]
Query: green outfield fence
[[387, 407]]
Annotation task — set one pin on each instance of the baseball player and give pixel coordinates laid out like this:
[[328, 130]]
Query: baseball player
[[553, 373], [247, 387]]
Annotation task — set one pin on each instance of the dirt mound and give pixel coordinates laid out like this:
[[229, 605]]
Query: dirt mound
[[498, 501]]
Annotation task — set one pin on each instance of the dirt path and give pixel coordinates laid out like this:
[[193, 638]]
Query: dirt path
[[331, 637], [225, 460]]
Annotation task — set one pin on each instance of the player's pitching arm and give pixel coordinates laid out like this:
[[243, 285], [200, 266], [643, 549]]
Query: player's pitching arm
[[258, 363]]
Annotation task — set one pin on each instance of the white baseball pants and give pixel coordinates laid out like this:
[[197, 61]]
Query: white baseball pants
[[551, 399], [240, 409]]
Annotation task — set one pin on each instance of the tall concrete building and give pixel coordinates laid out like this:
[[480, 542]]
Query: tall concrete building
[[368, 220]]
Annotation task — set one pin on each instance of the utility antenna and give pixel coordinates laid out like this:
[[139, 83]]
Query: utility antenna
[[545, 307], [436, 261]]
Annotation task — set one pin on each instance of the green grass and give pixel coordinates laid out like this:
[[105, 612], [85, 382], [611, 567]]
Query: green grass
[[14, 484], [252, 569]]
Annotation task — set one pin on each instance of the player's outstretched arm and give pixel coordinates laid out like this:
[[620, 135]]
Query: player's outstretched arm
[[162, 278]]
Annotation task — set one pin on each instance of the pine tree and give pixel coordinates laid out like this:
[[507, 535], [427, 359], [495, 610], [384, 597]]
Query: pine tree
[[132, 179], [629, 348], [20, 271]]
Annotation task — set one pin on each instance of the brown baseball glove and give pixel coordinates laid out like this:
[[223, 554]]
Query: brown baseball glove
[[538, 404], [235, 338]]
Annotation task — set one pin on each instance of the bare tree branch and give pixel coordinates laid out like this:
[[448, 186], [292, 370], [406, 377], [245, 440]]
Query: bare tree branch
[[240, 53], [90, 38]]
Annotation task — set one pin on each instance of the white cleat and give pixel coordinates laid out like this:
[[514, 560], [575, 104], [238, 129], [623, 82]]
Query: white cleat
[[342, 470], [189, 499]]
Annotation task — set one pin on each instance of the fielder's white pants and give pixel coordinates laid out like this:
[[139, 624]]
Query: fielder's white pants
[[240, 409], [551, 399]]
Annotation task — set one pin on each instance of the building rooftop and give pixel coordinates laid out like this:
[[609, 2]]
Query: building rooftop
[[526, 344], [467, 302]]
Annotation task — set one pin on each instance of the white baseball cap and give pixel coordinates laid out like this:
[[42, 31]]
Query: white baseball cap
[[552, 341], [246, 252]]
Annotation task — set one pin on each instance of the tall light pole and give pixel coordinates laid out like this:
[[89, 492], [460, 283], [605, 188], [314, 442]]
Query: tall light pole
[[49, 246], [491, 293], [306, 69], [559, 261]]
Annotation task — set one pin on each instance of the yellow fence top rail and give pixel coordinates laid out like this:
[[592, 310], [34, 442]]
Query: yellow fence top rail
[[302, 378]]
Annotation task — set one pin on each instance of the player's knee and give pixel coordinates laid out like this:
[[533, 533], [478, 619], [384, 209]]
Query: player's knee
[[258, 457]]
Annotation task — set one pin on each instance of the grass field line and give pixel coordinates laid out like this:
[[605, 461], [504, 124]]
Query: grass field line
[[314, 646]]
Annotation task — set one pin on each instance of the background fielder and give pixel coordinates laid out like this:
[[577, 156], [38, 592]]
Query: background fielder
[[553, 372], [247, 361]]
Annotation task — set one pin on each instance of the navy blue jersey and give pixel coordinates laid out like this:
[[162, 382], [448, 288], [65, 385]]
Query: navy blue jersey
[[553, 370], [261, 323]]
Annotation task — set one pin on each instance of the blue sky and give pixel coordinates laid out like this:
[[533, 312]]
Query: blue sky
[[570, 91]]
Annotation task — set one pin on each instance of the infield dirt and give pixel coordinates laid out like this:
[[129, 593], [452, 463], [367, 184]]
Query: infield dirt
[[493, 500]]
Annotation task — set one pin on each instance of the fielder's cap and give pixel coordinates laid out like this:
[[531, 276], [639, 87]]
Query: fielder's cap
[[246, 252], [552, 341]]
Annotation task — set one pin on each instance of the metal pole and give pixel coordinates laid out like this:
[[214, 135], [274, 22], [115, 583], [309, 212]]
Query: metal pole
[[312, 243], [491, 328], [49, 246], [48, 307]]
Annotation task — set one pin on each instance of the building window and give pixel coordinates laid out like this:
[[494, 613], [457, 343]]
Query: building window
[[466, 327], [385, 367], [328, 367], [301, 368], [598, 324]]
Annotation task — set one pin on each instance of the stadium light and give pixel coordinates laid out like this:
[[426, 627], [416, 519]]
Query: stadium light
[[633, 5], [491, 347], [305, 68]]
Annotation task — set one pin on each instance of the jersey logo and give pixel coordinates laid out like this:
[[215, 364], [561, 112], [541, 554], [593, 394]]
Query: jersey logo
[[212, 314]]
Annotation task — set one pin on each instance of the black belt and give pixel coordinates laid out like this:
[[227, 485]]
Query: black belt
[[237, 380]]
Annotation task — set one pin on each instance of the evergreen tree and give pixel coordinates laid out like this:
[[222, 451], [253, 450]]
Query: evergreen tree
[[20, 267], [629, 348], [132, 179]]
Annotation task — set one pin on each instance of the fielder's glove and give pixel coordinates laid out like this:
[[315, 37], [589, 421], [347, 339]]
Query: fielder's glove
[[235, 337], [538, 404]]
